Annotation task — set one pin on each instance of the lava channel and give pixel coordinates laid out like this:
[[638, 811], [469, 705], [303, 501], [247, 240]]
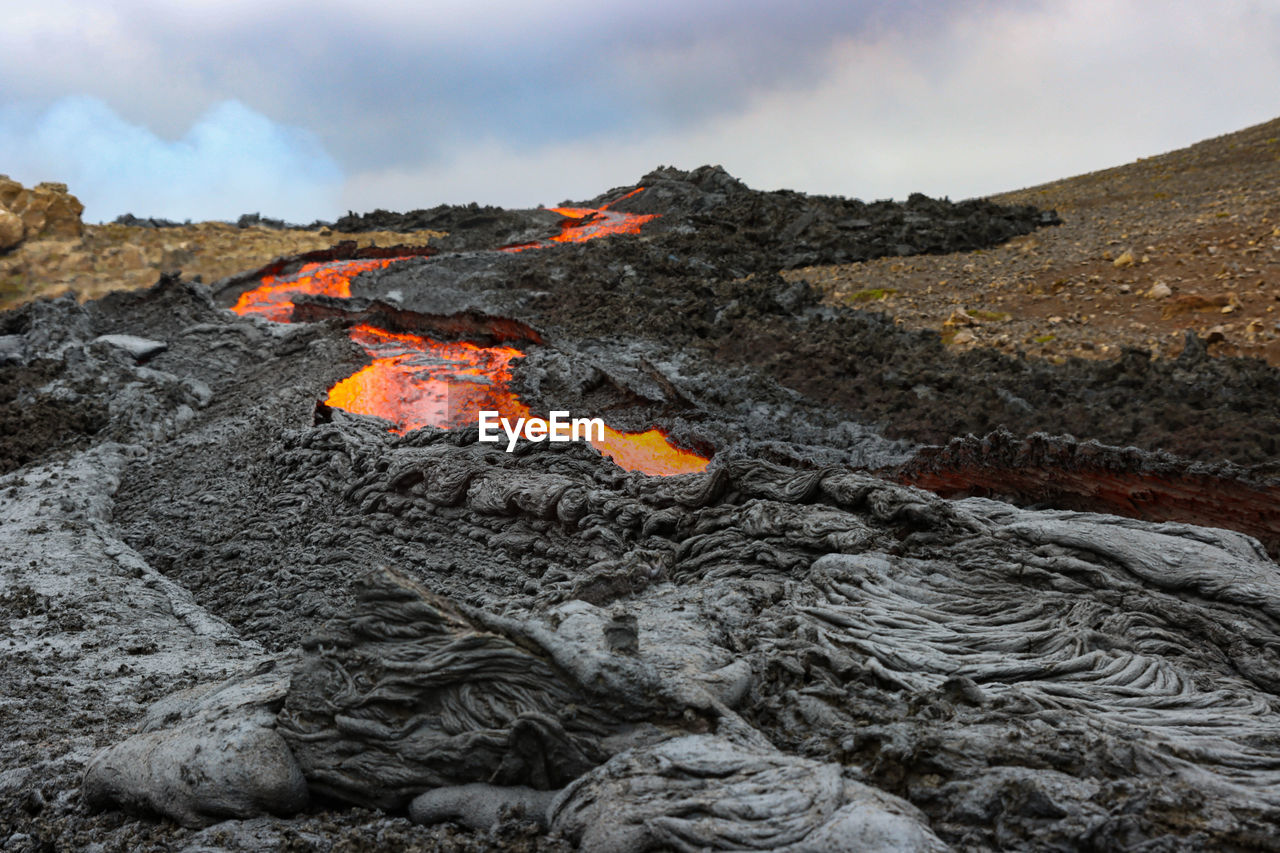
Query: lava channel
[[581, 224], [415, 381], [273, 298]]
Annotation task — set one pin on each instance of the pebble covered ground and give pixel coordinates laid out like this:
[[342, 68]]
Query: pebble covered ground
[[1184, 240]]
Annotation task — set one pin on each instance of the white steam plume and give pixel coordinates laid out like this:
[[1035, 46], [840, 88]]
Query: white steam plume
[[232, 161]]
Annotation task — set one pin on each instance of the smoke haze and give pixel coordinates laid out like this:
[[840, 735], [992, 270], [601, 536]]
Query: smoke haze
[[231, 161]]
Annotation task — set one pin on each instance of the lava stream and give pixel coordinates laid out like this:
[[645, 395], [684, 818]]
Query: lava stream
[[588, 223], [416, 381], [273, 298]]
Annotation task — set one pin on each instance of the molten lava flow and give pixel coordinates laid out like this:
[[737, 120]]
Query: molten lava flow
[[273, 298], [415, 381], [599, 223], [649, 452], [588, 223]]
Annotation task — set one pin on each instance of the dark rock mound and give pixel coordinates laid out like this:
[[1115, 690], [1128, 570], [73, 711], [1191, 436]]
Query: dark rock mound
[[469, 227], [147, 221], [785, 229], [795, 229], [36, 420]]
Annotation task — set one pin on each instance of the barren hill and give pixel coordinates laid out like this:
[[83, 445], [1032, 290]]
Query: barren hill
[[1184, 240]]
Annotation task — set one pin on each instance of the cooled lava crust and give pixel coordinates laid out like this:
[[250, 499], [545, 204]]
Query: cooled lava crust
[[218, 480]]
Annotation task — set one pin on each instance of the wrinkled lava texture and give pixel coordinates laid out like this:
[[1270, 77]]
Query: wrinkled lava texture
[[266, 505]]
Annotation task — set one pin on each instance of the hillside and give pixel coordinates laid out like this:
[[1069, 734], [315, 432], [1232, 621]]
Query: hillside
[[1184, 240], [92, 260], [1189, 239], [819, 582]]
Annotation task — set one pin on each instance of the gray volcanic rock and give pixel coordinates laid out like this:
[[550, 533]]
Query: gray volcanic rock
[[469, 227], [779, 653], [940, 648], [406, 693], [480, 806], [204, 755], [700, 792], [140, 348]]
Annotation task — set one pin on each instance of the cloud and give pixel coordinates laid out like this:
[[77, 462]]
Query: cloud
[[390, 84], [509, 102], [231, 161], [975, 105]]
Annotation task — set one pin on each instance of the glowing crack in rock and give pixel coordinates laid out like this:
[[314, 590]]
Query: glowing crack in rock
[[415, 381]]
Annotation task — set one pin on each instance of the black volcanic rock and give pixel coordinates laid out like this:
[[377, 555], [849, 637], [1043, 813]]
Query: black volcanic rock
[[782, 651], [785, 229]]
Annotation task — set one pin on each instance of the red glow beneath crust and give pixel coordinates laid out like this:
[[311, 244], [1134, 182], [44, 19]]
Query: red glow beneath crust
[[415, 381]]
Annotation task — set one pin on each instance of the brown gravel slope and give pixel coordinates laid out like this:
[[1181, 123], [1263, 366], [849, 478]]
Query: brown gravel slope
[[1185, 240]]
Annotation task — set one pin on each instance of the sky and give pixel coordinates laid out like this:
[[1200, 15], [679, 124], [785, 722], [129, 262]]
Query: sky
[[207, 109]]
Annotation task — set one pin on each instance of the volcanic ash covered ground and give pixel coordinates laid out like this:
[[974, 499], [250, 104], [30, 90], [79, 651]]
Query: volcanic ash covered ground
[[821, 582]]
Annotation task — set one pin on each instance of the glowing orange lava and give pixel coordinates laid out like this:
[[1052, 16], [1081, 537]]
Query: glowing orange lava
[[273, 298], [415, 381], [649, 452], [588, 223]]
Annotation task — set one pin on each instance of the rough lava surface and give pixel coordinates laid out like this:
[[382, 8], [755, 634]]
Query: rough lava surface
[[235, 619]]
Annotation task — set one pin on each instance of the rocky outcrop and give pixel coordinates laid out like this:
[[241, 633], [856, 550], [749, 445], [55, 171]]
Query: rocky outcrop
[[11, 229], [47, 211]]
